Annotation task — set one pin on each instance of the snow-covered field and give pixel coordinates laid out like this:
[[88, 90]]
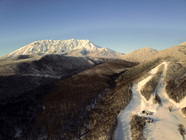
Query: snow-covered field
[[165, 125]]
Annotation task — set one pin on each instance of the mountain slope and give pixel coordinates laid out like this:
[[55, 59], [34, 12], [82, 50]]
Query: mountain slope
[[88, 105], [59, 110], [19, 76], [51, 65], [146, 54], [164, 118], [70, 47], [177, 53], [140, 55]]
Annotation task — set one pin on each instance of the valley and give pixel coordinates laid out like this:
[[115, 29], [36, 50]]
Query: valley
[[74, 89]]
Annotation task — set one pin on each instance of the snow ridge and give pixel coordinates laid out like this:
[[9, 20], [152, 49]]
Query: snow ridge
[[70, 47]]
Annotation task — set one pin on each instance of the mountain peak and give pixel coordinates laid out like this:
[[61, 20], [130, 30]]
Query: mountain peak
[[71, 47], [146, 48], [141, 55]]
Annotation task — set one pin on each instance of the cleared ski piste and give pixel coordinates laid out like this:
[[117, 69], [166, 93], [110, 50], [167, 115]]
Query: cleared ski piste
[[165, 125]]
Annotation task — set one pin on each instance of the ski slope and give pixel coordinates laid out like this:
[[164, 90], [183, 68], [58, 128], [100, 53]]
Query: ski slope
[[165, 125]]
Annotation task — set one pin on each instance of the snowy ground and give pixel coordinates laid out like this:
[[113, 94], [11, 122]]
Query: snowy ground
[[165, 125]]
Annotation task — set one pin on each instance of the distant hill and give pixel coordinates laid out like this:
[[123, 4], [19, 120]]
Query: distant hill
[[145, 54], [177, 53], [140, 55]]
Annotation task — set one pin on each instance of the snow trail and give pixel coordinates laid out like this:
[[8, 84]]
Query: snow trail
[[166, 123], [165, 126], [123, 130]]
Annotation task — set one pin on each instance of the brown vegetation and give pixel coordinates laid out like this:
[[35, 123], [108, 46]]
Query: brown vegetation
[[176, 91], [104, 117], [176, 81], [150, 87], [69, 111], [183, 110], [137, 124], [157, 99], [69, 105], [170, 108], [175, 70], [181, 129], [139, 70]]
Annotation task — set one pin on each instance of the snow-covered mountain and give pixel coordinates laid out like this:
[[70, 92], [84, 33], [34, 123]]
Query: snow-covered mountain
[[70, 47]]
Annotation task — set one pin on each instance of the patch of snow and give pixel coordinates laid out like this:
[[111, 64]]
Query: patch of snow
[[45, 75], [18, 133]]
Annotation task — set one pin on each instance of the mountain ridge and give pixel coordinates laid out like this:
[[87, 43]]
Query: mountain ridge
[[71, 47], [146, 54], [85, 48]]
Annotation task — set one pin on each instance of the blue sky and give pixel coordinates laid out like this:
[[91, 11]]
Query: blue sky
[[121, 25]]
